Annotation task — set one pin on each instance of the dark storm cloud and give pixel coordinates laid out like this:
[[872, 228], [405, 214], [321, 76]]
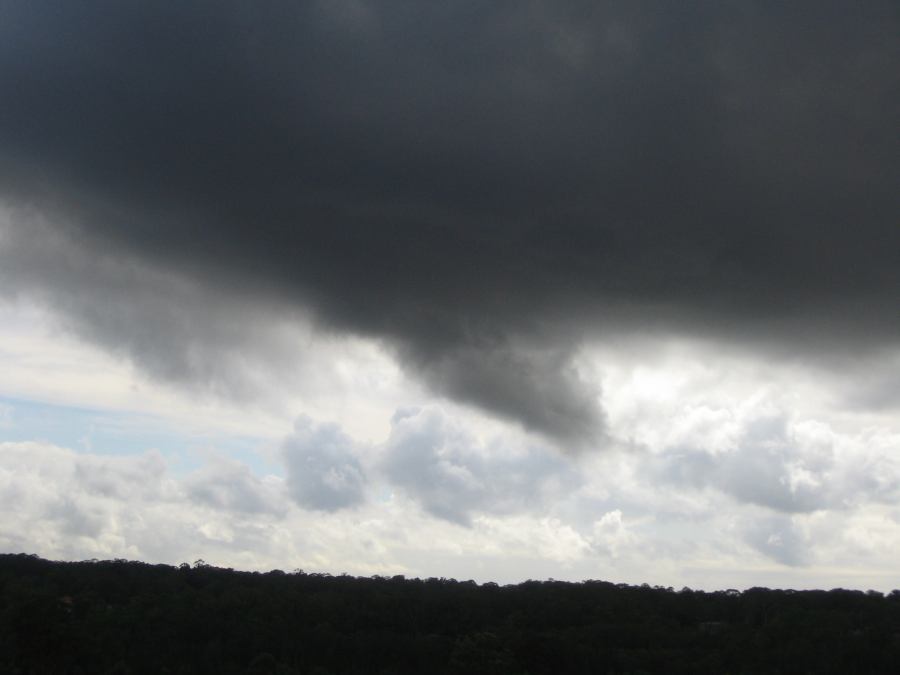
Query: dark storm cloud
[[481, 183]]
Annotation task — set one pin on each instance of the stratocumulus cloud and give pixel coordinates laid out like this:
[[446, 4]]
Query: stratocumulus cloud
[[433, 498], [480, 186]]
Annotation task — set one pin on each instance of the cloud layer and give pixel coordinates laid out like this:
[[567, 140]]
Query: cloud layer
[[323, 467], [478, 185], [435, 461], [445, 242], [435, 499]]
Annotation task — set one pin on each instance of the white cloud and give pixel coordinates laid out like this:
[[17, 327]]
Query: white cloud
[[720, 472], [789, 465], [433, 459], [611, 534], [778, 537], [323, 469], [617, 526], [229, 486]]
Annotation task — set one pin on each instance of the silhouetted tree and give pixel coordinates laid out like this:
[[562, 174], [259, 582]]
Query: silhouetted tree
[[128, 617]]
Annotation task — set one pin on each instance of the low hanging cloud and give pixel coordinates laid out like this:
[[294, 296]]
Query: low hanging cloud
[[229, 486], [779, 538], [72, 505], [539, 386], [434, 498], [788, 466], [174, 328], [324, 471], [430, 458], [479, 186]]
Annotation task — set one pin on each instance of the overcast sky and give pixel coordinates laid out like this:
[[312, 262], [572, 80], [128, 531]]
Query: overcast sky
[[493, 290]]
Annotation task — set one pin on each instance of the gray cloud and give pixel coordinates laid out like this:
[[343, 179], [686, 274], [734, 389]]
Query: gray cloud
[[779, 538], [775, 465], [323, 469], [428, 457], [766, 468], [71, 505], [230, 486], [121, 477], [436, 462], [178, 329], [75, 520], [539, 386], [480, 185]]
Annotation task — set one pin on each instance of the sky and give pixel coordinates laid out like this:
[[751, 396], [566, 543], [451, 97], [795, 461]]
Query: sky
[[484, 290]]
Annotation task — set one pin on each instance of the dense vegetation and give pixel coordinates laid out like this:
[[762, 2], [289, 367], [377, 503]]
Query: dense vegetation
[[128, 617]]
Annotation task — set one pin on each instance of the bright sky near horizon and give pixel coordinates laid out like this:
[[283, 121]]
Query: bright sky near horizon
[[482, 290], [717, 474]]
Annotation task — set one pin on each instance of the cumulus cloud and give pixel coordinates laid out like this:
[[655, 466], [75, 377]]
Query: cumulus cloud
[[65, 504], [527, 513], [58, 501], [431, 458], [227, 485], [477, 185], [324, 471], [119, 477], [611, 534], [778, 537], [479, 194], [789, 465], [766, 467]]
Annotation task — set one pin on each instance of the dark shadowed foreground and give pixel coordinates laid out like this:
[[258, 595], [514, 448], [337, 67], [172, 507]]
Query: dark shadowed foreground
[[129, 617]]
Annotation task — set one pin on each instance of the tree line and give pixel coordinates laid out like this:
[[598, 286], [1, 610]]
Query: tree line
[[127, 617]]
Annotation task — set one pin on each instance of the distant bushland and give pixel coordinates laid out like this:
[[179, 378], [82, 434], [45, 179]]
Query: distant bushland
[[117, 616]]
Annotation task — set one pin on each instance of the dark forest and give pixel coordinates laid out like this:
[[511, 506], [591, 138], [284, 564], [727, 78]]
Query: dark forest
[[130, 617]]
